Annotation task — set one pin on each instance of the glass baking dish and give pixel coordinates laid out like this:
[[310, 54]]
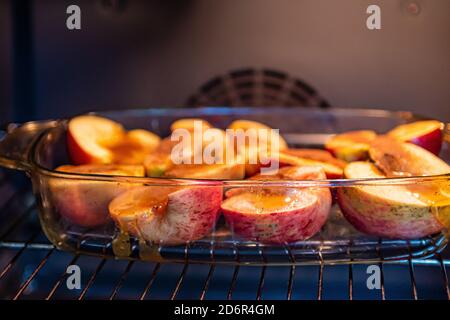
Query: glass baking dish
[[39, 147]]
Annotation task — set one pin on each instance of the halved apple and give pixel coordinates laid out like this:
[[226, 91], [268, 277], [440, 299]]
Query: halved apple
[[351, 146], [168, 215], [426, 134], [279, 214], [85, 202], [396, 211], [93, 139], [89, 139], [396, 158]]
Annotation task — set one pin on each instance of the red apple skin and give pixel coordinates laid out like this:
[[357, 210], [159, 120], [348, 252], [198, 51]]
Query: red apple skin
[[281, 227], [194, 213], [384, 220], [85, 202], [278, 227], [431, 141], [416, 133], [191, 214], [75, 203], [77, 154], [89, 138], [389, 211]]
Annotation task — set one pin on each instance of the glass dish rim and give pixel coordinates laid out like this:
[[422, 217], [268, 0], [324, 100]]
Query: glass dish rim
[[161, 181]]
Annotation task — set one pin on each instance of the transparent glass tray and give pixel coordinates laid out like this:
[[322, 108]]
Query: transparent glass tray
[[39, 147]]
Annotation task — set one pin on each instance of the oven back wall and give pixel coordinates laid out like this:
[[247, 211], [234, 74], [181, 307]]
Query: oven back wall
[[157, 53], [5, 63]]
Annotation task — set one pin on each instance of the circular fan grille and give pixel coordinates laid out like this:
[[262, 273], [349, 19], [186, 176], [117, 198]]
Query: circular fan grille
[[250, 87]]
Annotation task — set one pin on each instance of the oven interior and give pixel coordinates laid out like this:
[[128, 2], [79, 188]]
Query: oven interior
[[132, 53]]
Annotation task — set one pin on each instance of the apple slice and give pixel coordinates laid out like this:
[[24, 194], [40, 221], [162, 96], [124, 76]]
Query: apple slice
[[285, 173], [247, 124], [426, 134], [188, 124], [221, 168], [317, 155], [387, 211], [279, 214], [168, 215], [234, 171], [350, 146], [287, 159], [135, 146], [251, 152], [144, 138], [396, 158], [105, 169], [92, 139], [158, 161], [85, 202], [332, 171], [89, 139]]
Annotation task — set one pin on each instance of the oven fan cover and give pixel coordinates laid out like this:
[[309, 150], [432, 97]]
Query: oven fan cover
[[256, 87]]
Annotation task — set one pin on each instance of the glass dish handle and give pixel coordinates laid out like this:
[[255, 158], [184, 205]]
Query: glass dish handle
[[16, 140]]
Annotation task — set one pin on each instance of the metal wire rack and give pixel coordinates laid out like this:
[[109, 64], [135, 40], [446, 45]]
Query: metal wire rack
[[32, 268]]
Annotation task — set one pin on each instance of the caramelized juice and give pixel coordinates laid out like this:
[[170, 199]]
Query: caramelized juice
[[270, 200], [128, 208], [147, 252], [436, 194], [121, 244]]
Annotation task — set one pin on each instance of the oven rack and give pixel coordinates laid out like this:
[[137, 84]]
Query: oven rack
[[32, 268]]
